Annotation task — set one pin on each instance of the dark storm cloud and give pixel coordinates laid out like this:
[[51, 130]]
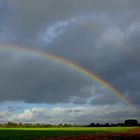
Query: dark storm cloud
[[37, 80], [28, 16], [4, 9], [92, 33]]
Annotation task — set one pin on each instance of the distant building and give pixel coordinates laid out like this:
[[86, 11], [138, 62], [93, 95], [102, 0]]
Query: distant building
[[131, 122]]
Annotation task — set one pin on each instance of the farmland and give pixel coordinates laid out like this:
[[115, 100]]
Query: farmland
[[39, 133]]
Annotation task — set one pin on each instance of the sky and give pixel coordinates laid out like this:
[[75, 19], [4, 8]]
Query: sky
[[101, 36]]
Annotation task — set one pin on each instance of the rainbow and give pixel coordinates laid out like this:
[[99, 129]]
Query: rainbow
[[73, 66]]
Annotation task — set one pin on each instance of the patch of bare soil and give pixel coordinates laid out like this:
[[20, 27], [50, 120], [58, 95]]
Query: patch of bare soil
[[131, 135]]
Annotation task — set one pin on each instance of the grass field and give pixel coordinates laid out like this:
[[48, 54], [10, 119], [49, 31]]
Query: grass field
[[32, 133]]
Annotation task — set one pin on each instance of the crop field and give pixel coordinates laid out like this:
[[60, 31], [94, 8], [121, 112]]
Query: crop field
[[47, 133]]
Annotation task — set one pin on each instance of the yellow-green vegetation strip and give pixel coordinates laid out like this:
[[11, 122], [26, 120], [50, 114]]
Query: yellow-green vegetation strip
[[100, 129], [33, 133]]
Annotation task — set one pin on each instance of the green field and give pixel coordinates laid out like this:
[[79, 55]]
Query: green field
[[31, 133]]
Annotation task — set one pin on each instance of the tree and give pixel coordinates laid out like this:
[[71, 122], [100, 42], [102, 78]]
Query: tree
[[92, 124]]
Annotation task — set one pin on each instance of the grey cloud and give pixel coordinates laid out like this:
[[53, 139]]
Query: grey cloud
[[97, 39], [33, 79], [74, 115], [28, 17], [38, 80], [104, 99], [5, 116]]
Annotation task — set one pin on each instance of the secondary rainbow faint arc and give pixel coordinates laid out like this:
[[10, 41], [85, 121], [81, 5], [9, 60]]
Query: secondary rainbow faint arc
[[70, 65]]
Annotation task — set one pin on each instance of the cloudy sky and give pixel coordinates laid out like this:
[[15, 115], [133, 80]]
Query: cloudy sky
[[102, 36]]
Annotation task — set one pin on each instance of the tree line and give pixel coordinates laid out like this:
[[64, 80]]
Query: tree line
[[129, 122]]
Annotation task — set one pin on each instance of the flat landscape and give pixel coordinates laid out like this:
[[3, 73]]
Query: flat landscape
[[69, 69], [72, 133]]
